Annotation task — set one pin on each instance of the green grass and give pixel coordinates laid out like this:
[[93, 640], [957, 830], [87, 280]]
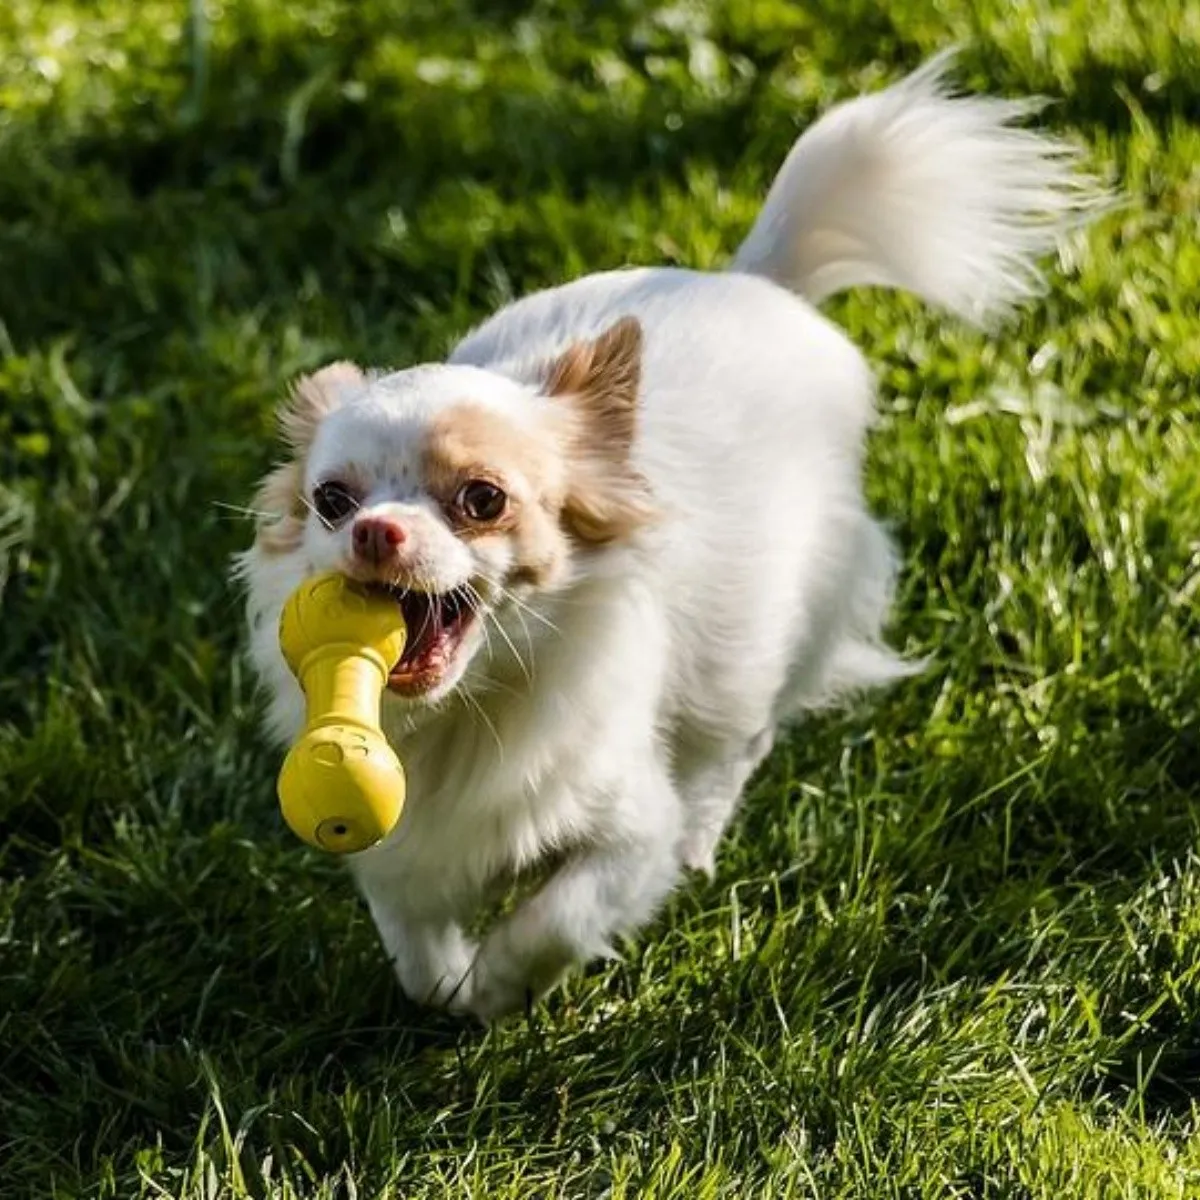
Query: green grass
[[953, 949]]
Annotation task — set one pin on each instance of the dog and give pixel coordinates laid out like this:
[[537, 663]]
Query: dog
[[625, 524]]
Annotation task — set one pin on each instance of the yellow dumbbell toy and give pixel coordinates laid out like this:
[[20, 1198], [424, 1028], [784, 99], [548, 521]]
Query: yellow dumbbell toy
[[341, 787]]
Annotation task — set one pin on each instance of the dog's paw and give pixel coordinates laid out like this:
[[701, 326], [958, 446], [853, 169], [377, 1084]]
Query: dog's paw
[[495, 987], [434, 971], [698, 852], [492, 1000], [510, 973]]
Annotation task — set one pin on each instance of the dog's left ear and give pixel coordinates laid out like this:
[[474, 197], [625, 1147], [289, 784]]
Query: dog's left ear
[[280, 500], [606, 498]]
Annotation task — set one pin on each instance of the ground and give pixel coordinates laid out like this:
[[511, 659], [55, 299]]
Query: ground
[[953, 945]]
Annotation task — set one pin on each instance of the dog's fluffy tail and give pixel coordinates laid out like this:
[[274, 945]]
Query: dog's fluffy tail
[[919, 189]]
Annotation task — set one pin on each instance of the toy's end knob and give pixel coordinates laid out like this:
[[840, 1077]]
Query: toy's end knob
[[341, 789], [345, 835]]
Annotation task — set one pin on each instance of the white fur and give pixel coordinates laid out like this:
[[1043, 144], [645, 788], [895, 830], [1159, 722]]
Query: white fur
[[661, 669], [915, 188]]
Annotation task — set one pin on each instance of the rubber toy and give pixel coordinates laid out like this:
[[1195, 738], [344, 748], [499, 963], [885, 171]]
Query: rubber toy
[[341, 788]]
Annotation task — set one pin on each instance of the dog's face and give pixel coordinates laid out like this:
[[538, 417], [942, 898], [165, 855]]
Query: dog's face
[[458, 490]]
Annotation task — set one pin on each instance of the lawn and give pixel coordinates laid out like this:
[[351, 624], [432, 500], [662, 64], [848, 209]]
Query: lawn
[[953, 946]]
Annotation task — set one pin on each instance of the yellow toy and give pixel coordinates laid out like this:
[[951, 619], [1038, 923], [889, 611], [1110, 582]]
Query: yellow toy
[[341, 787]]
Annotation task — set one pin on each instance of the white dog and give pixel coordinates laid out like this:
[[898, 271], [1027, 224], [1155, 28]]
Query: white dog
[[626, 527]]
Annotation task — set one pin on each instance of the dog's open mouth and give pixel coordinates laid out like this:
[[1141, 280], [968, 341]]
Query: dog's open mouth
[[436, 624]]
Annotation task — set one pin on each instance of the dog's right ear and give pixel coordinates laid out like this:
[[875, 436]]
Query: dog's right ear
[[313, 397], [279, 501]]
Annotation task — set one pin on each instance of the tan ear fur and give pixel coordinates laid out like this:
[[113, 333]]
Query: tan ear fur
[[279, 508], [313, 397], [606, 499], [278, 500]]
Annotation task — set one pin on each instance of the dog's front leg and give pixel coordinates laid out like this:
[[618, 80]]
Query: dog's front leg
[[607, 889], [424, 940]]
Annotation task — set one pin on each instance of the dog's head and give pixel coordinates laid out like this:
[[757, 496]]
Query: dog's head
[[459, 490]]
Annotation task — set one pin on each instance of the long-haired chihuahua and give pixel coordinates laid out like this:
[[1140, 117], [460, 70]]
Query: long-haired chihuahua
[[626, 527]]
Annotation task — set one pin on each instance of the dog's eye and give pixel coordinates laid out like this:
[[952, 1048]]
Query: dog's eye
[[333, 501], [481, 501]]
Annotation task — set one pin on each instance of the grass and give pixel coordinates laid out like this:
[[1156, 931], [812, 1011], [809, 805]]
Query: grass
[[953, 949]]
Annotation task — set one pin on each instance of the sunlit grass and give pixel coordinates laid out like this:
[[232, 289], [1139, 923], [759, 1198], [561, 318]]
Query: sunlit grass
[[953, 946]]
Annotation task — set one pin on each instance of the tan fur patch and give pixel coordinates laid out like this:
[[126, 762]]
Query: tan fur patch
[[279, 509], [601, 379], [470, 442], [279, 500], [313, 397], [606, 500]]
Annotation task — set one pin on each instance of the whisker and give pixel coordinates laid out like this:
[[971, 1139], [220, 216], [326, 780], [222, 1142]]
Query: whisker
[[251, 513], [484, 614], [426, 617], [525, 631], [517, 602], [475, 604], [506, 594], [428, 612], [473, 703], [312, 509], [516, 653]]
